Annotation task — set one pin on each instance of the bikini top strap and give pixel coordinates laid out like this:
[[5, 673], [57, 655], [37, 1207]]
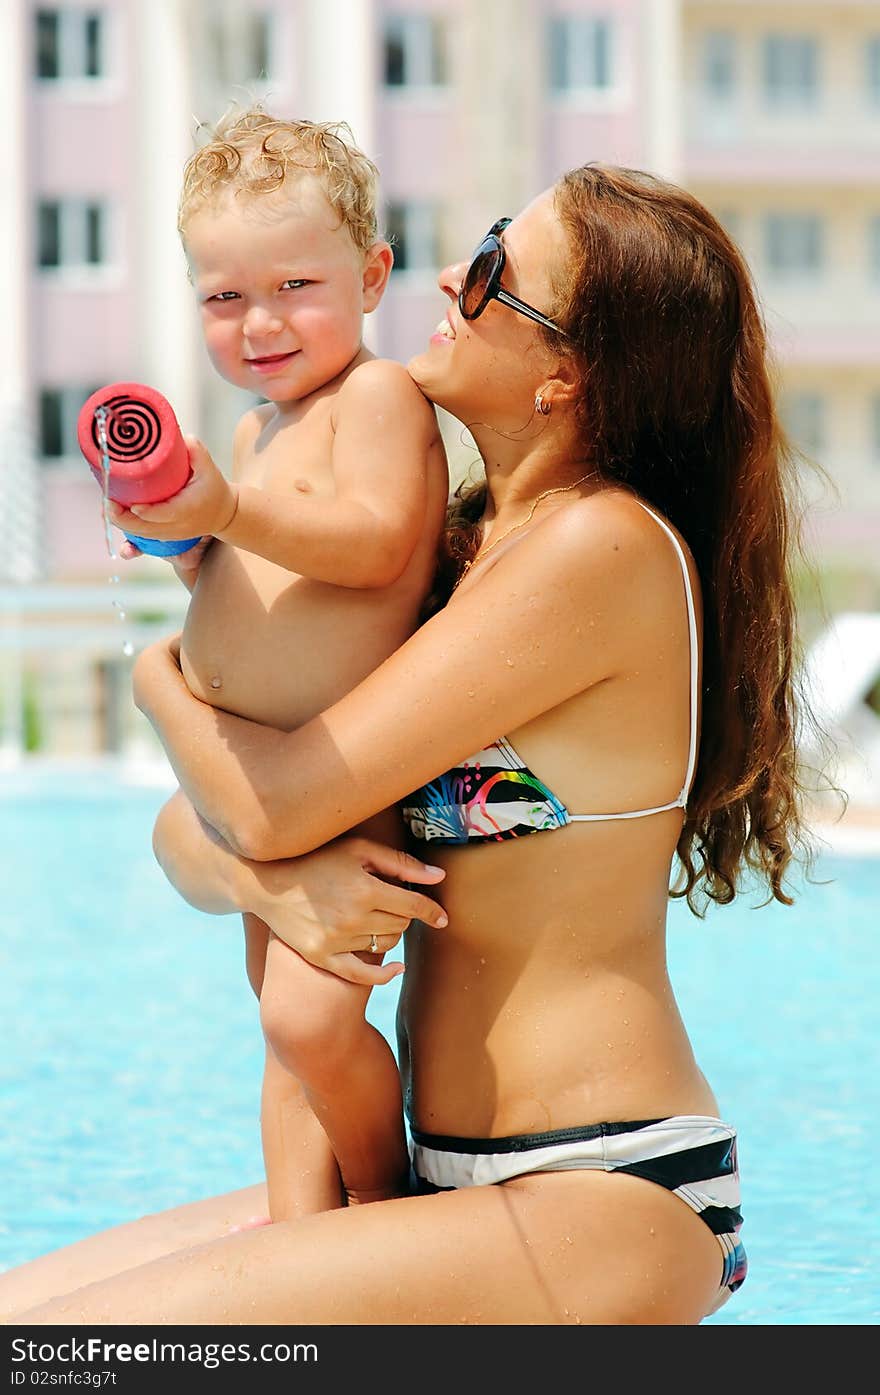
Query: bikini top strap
[[694, 650]]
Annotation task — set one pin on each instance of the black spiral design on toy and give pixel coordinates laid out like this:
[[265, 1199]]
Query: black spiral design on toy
[[132, 428]]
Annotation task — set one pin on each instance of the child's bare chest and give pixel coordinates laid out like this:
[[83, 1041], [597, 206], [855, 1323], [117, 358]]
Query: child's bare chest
[[266, 643], [294, 458]]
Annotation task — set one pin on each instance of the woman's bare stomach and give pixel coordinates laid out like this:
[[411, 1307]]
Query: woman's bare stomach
[[544, 1004]]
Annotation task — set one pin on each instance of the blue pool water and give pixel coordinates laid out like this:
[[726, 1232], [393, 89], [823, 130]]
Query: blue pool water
[[132, 1055]]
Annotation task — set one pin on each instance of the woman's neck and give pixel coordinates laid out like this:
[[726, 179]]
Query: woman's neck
[[518, 472]]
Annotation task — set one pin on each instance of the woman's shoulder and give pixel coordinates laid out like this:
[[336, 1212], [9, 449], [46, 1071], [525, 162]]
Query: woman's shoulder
[[615, 527]]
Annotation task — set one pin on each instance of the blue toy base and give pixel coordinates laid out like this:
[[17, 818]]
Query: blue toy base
[[162, 549]]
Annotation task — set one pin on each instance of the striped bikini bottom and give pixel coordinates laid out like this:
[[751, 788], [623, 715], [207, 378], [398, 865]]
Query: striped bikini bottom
[[692, 1155]]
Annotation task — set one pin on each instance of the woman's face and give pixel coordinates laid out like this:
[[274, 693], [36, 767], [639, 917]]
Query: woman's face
[[489, 369]]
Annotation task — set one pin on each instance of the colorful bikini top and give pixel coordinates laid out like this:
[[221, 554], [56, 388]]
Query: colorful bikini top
[[494, 796]]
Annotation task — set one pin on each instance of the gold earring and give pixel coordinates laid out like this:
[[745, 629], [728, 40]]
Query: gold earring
[[542, 406]]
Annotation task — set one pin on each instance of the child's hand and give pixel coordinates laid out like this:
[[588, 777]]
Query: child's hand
[[204, 507], [128, 551], [187, 564]]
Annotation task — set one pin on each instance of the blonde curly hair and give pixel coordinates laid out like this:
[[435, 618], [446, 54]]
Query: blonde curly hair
[[251, 152]]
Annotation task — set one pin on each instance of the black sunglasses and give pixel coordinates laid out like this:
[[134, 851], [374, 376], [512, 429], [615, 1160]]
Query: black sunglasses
[[482, 281]]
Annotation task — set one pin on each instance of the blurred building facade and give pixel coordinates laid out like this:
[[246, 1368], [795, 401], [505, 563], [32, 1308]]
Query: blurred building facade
[[769, 112]]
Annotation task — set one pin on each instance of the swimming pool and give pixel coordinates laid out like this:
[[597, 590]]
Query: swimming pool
[[131, 1070]]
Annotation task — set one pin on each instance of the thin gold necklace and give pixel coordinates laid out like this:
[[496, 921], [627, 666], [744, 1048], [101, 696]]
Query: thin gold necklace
[[560, 489]]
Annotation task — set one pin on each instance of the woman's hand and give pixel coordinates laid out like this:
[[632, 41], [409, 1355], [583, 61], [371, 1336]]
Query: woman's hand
[[325, 904], [328, 904]]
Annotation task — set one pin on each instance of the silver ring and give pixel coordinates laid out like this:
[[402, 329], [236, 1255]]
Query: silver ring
[[374, 945]]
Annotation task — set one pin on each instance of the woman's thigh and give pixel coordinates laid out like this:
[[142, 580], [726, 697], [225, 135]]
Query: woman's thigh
[[558, 1248], [124, 1246]]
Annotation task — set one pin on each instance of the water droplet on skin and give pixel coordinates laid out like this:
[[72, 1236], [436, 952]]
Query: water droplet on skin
[[509, 663], [216, 682]]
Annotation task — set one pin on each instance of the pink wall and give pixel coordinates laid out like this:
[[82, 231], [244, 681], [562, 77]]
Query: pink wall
[[73, 528], [786, 164], [575, 138], [416, 148]]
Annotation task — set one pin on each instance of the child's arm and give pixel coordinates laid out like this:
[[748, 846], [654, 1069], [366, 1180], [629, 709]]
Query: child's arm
[[365, 534], [214, 489]]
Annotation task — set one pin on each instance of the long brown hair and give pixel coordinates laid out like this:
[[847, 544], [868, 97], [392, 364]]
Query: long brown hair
[[677, 404]]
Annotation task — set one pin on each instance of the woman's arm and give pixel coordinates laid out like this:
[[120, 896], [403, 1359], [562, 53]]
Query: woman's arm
[[325, 904], [543, 622]]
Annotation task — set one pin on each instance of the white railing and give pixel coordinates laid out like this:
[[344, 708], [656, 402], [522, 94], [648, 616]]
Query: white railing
[[65, 650]]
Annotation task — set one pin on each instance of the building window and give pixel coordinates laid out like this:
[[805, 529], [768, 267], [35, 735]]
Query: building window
[[794, 243], [719, 66], [875, 427], [804, 417], [241, 47], [414, 233], [69, 43], [580, 53], [791, 71], [872, 69], [731, 221], [71, 233], [58, 413], [415, 51]]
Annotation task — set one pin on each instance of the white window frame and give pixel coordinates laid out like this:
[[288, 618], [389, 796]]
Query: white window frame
[[805, 416], [424, 36], [72, 399], [587, 95], [875, 427], [256, 83], [717, 39], [872, 72], [421, 220], [873, 257], [793, 48], [73, 238], [801, 224], [732, 221], [72, 42]]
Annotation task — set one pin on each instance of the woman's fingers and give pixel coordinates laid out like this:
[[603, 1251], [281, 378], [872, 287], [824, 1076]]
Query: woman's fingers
[[393, 862], [387, 896], [407, 905]]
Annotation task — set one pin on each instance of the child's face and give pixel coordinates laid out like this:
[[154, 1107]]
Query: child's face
[[282, 290]]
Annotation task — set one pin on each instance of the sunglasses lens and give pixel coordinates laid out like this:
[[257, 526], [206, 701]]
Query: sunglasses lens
[[478, 279]]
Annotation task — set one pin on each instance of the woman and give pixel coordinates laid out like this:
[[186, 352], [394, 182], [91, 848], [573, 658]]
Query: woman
[[606, 352]]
